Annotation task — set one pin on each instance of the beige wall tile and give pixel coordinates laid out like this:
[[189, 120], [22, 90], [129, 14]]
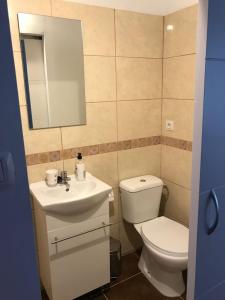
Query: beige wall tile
[[19, 78], [179, 77], [182, 39], [103, 166], [40, 140], [98, 25], [138, 78], [100, 78], [178, 205], [38, 7], [178, 83], [100, 128], [138, 35], [137, 119], [176, 165], [139, 161], [37, 172], [182, 113]]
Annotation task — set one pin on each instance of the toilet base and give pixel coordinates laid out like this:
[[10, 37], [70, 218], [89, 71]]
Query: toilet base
[[167, 283]]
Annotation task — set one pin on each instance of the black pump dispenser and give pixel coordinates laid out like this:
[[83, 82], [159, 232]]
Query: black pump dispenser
[[80, 167], [79, 156]]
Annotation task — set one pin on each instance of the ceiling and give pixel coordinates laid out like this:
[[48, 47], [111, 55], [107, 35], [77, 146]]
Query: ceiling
[[156, 7]]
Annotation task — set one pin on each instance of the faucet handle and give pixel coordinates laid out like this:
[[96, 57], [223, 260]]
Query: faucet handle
[[64, 176]]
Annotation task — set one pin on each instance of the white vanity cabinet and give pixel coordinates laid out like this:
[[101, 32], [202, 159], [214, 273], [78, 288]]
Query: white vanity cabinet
[[73, 250]]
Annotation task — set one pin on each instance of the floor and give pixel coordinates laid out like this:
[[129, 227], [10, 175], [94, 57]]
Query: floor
[[131, 285]]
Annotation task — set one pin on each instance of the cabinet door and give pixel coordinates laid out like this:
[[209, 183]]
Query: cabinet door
[[207, 246], [81, 269], [210, 259], [213, 132], [216, 31], [80, 262]]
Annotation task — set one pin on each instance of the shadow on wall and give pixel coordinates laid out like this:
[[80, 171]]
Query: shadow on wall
[[164, 199], [133, 237]]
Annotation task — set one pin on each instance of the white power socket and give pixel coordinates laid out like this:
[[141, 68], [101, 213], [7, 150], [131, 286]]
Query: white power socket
[[169, 125]]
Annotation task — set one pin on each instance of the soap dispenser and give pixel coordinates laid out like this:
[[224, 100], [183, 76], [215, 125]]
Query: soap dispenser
[[80, 168]]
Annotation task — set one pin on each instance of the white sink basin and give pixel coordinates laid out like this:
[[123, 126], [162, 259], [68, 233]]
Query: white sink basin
[[81, 196]]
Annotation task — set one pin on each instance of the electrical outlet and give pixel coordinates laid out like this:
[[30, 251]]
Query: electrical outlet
[[169, 125]]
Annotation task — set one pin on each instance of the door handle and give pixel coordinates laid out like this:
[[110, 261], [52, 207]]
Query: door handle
[[210, 228], [7, 169]]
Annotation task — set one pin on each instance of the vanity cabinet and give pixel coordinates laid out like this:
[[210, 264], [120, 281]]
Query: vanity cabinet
[[73, 251]]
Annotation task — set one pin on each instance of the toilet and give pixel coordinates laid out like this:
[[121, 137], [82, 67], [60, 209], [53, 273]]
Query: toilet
[[165, 252]]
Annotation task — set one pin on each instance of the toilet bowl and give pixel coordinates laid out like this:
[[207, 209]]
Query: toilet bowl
[[165, 252]]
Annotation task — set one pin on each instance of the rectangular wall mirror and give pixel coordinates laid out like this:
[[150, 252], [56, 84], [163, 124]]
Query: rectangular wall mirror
[[53, 62]]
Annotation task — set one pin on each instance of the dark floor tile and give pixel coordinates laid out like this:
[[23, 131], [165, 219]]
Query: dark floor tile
[[94, 295], [184, 296], [134, 288], [138, 252], [129, 268], [44, 296], [184, 273], [137, 287]]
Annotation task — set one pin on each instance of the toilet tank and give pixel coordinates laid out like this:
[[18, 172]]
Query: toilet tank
[[140, 198]]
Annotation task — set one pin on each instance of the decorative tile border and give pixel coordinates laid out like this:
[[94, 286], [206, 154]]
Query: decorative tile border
[[176, 143], [41, 158], [46, 157]]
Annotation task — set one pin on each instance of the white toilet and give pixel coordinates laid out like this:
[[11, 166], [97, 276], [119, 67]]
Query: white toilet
[[165, 252]]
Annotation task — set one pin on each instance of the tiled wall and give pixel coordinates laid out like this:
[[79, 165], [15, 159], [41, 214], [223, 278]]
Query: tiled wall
[[178, 105], [124, 77]]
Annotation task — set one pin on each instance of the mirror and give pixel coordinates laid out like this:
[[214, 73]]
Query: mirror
[[53, 62]]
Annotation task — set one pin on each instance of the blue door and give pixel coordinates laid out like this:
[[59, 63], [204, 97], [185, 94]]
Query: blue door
[[210, 238], [18, 268]]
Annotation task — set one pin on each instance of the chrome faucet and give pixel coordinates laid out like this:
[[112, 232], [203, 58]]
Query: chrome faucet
[[63, 179]]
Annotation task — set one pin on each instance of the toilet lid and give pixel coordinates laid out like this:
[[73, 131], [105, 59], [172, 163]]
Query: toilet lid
[[166, 236]]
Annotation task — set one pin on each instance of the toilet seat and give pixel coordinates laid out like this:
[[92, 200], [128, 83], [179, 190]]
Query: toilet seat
[[166, 236]]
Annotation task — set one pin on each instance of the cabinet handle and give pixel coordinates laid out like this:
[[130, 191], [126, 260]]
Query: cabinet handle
[[213, 197], [79, 234]]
